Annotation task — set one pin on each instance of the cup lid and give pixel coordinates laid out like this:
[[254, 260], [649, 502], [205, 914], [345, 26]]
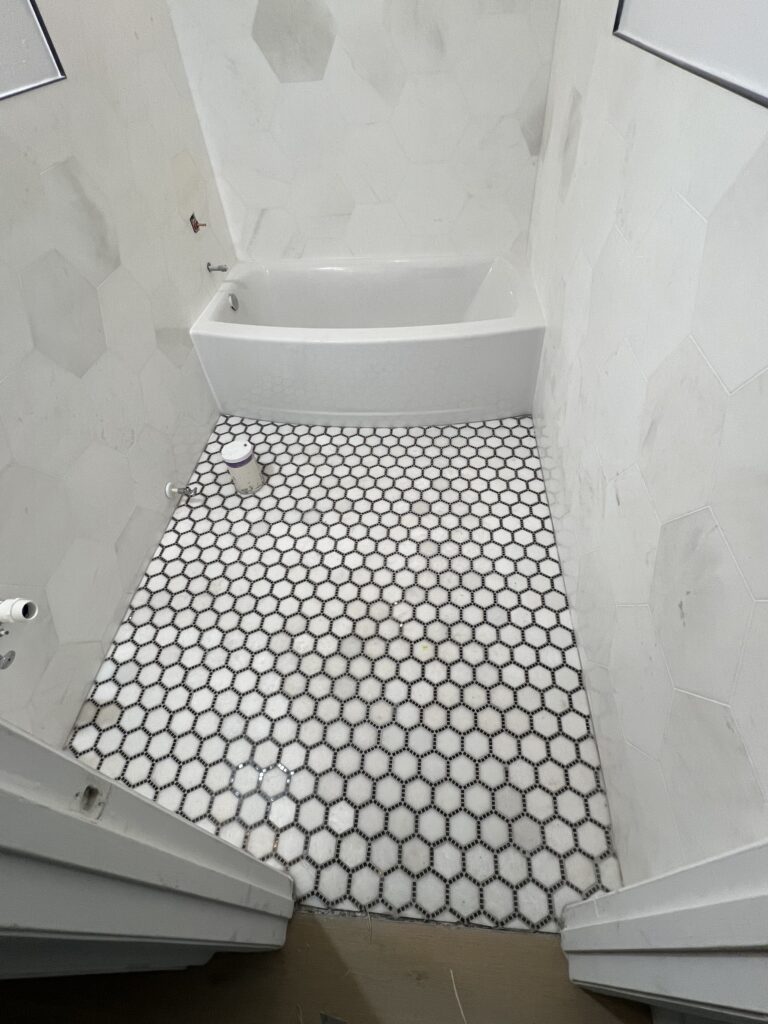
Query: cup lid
[[237, 452]]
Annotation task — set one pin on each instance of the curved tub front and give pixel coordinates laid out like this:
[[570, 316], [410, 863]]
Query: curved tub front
[[369, 343]]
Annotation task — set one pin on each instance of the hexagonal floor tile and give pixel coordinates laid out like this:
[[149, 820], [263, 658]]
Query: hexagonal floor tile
[[329, 674]]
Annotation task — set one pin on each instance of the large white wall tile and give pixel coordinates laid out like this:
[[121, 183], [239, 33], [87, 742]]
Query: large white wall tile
[[741, 485], [331, 108], [430, 118], [622, 394], [499, 59], [22, 200], [640, 678], [647, 832], [596, 619], [428, 33], [585, 489], [485, 226], [732, 306], [700, 604], [613, 299], [651, 114], [717, 158], [317, 192], [630, 538], [100, 490], [377, 229], [600, 162], [65, 682], [308, 127], [47, 415], [296, 37], [376, 158], [100, 278], [430, 199], [750, 701], [81, 230], [161, 392], [275, 234], [84, 590], [681, 426], [666, 267], [135, 545], [35, 528], [63, 313], [14, 326], [127, 316], [118, 406], [190, 186], [5, 450], [359, 100], [152, 464], [496, 162], [717, 802], [649, 231], [371, 50]]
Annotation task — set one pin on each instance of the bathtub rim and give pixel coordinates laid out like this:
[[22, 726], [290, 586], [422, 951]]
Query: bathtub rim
[[364, 335], [517, 339], [528, 316]]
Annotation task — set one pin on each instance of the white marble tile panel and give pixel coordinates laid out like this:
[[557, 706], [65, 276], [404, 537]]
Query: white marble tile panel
[[669, 169], [717, 802], [640, 678], [750, 699], [731, 308], [323, 85], [681, 425], [700, 606], [741, 482], [47, 415], [631, 535]]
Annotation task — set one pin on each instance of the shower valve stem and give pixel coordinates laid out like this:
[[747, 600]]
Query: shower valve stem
[[175, 491]]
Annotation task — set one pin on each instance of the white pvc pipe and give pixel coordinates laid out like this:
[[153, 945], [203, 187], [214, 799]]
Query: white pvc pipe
[[18, 609]]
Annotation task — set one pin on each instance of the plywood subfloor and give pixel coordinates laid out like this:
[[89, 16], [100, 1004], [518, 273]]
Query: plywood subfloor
[[341, 970]]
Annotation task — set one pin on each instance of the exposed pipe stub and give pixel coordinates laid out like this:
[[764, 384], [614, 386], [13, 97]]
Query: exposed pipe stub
[[18, 609]]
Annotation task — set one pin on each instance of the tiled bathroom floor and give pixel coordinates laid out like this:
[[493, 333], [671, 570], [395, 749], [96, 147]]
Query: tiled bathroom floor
[[366, 674]]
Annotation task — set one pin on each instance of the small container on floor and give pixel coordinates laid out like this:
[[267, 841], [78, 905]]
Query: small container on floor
[[243, 468]]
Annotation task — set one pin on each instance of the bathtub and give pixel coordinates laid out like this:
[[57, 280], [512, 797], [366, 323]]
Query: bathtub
[[372, 342]]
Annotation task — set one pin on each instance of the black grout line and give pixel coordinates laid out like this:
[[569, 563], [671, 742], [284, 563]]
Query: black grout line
[[382, 633]]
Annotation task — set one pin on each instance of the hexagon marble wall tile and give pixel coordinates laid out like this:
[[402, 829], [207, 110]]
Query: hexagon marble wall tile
[[648, 241], [390, 127], [101, 396], [365, 674]]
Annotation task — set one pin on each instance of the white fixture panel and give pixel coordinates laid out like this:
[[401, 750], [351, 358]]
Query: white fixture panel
[[27, 56], [373, 342], [722, 40]]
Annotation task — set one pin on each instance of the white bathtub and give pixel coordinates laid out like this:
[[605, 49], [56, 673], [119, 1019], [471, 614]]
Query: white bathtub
[[373, 342]]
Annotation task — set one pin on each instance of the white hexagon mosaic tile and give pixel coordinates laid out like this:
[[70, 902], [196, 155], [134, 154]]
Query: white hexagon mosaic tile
[[366, 674]]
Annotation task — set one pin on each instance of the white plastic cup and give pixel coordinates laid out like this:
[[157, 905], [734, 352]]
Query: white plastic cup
[[243, 467]]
